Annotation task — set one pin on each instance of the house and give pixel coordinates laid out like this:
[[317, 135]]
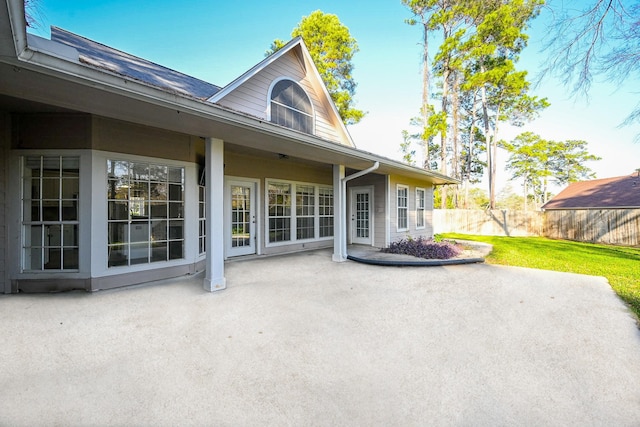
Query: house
[[600, 211], [116, 171], [621, 192]]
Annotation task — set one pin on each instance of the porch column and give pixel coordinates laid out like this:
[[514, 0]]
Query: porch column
[[339, 215], [214, 173]]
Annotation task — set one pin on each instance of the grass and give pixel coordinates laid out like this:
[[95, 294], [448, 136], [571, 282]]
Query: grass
[[619, 264]]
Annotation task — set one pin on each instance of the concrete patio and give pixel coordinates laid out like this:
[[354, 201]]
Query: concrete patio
[[300, 340]]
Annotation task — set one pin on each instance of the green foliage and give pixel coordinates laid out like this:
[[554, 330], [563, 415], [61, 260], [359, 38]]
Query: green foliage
[[535, 160], [618, 264], [332, 48]]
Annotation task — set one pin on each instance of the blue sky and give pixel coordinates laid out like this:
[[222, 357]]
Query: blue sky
[[218, 40]]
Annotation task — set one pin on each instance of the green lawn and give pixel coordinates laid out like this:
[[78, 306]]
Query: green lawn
[[619, 264]]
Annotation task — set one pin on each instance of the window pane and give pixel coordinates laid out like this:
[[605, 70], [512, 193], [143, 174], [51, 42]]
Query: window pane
[[157, 173], [159, 251], [139, 254], [176, 175], [118, 255], [118, 210], [52, 258], [175, 210], [31, 210], [158, 230], [50, 188], [176, 230], [69, 210], [33, 235], [158, 191], [33, 259], [175, 192], [116, 168], [176, 250], [139, 171], [158, 210], [51, 210], [70, 235], [71, 259], [118, 232]]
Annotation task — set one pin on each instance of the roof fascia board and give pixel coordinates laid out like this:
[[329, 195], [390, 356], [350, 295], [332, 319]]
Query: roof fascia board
[[18, 24], [254, 70]]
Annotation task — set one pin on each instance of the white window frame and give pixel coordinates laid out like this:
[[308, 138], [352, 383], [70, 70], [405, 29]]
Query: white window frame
[[42, 222], [293, 224], [269, 101], [421, 208], [150, 264], [399, 208]]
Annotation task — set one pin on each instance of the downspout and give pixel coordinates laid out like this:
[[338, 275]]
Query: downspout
[[343, 204]]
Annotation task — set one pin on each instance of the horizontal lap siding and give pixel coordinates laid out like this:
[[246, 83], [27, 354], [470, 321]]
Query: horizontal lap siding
[[251, 97], [427, 232]]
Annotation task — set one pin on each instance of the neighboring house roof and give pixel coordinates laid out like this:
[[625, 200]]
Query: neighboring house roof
[[606, 193], [108, 58]]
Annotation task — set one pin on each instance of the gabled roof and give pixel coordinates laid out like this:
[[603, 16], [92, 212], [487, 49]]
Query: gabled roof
[[108, 58], [298, 47], [606, 193]]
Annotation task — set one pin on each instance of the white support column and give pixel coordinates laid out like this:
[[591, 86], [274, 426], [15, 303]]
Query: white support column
[[340, 215], [214, 279]]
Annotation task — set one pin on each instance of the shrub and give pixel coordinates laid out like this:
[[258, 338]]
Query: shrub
[[424, 248]]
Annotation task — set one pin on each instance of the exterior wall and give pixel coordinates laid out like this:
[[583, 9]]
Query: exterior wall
[[93, 140], [379, 185], [270, 166], [5, 129], [427, 232], [251, 97]]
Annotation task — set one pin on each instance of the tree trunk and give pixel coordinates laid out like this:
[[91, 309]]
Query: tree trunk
[[425, 91], [485, 118]]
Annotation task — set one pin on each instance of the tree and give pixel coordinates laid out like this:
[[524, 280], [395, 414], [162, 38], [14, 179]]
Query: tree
[[490, 54], [332, 48], [535, 160], [601, 38], [422, 11]]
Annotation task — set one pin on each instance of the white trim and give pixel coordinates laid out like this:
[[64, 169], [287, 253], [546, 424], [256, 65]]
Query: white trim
[[269, 101], [228, 181], [387, 212], [293, 230], [371, 190], [14, 267], [398, 187], [424, 209]]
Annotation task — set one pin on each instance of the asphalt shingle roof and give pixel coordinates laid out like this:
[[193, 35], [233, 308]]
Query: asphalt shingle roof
[[122, 63], [617, 192]]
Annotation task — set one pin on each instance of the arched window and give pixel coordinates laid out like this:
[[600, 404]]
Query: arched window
[[291, 107]]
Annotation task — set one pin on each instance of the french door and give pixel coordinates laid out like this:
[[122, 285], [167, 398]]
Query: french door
[[361, 218], [240, 223]]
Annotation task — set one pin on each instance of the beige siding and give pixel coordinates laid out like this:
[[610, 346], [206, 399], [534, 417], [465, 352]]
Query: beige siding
[[83, 131], [52, 131], [427, 232], [261, 168], [124, 137], [251, 97], [4, 154]]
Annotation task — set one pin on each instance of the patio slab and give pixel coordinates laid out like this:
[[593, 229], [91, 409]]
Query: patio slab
[[301, 340]]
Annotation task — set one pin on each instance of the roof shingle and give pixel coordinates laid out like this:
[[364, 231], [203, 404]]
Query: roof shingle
[[107, 58], [607, 193]]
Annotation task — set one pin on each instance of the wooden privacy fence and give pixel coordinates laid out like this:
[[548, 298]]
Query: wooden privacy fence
[[610, 226]]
